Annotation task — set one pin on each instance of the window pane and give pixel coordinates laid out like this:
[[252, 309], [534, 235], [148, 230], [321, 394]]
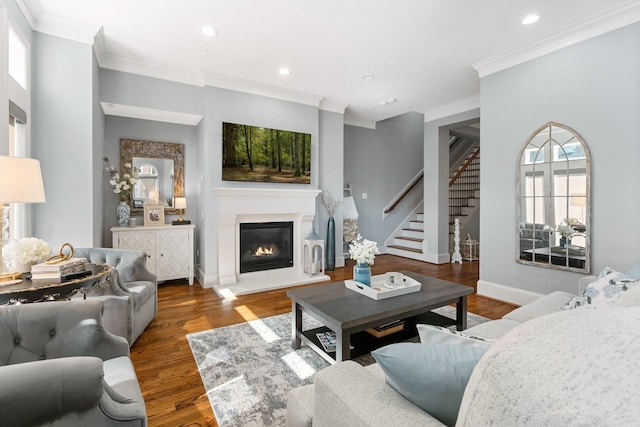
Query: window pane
[[17, 59]]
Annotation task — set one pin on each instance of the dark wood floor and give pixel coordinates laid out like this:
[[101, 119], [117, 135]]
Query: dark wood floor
[[169, 379]]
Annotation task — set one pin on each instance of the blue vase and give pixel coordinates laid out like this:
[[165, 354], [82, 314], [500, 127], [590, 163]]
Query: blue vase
[[123, 211], [362, 273], [331, 245]]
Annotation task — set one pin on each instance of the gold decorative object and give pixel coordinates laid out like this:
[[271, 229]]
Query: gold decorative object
[[61, 256]]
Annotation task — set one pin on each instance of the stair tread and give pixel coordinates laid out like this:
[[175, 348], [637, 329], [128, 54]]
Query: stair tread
[[413, 239], [404, 248], [414, 229]]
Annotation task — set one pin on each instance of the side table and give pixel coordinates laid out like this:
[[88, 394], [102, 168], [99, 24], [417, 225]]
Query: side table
[[28, 292]]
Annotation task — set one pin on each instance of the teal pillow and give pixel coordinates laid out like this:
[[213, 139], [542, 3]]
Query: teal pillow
[[432, 377]]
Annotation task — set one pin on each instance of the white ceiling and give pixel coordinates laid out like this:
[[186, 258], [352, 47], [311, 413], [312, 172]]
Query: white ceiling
[[421, 52]]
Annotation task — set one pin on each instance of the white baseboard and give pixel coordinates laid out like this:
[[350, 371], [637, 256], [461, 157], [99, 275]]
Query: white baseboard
[[506, 293], [437, 258]]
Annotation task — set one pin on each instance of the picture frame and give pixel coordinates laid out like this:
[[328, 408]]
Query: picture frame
[[153, 215], [260, 154]]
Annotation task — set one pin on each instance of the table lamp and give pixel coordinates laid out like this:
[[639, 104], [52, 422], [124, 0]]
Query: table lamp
[[180, 203], [20, 182]]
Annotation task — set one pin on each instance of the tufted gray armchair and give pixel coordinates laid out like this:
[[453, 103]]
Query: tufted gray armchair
[[60, 367], [131, 302]]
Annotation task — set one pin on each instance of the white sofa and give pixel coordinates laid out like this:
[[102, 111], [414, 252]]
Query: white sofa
[[547, 367]]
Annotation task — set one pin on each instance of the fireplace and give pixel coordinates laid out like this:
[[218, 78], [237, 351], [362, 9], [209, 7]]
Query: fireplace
[[265, 246]]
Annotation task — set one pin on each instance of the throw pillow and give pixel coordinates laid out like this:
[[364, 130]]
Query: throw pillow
[[432, 377], [438, 335], [603, 291]]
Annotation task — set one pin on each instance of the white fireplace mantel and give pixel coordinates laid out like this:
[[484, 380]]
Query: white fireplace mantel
[[242, 205]]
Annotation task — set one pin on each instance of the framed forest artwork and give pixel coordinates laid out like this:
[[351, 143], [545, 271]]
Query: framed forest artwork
[[257, 154]]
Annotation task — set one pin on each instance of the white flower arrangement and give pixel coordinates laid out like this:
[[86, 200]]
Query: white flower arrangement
[[27, 250], [363, 251], [121, 185], [565, 228]]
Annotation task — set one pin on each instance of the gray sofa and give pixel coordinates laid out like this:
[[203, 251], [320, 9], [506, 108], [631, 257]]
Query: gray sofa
[[60, 367], [547, 366], [131, 302]]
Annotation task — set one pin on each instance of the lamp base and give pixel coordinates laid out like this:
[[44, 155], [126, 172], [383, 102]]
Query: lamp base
[[183, 222]]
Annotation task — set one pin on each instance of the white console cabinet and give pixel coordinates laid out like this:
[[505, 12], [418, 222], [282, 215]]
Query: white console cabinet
[[169, 248]]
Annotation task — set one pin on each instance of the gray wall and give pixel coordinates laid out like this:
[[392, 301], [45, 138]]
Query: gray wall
[[148, 92], [593, 87], [62, 139], [99, 121], [121, 127], [331, 128], [381, 162]]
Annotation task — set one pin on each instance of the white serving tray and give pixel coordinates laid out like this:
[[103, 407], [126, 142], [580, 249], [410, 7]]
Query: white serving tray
[[378, 291]]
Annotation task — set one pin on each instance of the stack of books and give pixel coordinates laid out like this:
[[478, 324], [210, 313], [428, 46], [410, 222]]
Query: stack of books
[[387, 329], [64, 271]]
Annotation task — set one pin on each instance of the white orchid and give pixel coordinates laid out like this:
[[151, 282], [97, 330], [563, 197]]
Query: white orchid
[[363, 251], [121, 186]]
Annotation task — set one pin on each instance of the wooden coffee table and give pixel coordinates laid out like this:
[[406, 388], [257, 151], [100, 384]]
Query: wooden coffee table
[[346, 312]]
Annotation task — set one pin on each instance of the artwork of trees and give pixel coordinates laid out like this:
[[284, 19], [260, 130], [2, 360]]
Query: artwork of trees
[[256, 154]]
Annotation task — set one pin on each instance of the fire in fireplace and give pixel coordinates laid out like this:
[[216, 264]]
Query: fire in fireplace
[[265, 246]]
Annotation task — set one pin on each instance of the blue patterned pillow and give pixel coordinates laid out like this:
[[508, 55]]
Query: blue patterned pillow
[[603, 291]]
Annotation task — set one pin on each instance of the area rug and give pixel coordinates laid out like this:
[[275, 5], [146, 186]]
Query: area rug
[[248, 369]]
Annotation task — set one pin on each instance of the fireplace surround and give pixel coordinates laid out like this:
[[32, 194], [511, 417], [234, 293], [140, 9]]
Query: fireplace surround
[[237, 206]]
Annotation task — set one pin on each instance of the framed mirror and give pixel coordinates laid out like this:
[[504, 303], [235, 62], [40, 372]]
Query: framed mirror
[[553, 200], [160, 168]]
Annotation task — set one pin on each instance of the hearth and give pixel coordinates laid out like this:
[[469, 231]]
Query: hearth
[[265, 246]]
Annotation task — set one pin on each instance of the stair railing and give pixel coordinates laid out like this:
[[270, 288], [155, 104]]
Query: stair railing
[[404, 193], [460, 192]]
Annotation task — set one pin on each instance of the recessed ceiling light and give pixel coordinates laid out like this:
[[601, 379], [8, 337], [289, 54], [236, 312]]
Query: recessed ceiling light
[[368, 77], [284, 71], [209, 31], [530, 19]]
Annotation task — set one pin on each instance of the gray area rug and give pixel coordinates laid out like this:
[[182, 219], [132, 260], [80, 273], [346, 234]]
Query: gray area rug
[[248, 369]]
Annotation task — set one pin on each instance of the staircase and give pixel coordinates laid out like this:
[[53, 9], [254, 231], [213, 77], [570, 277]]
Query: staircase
[[464, 198], [409, 243], [464, 191]]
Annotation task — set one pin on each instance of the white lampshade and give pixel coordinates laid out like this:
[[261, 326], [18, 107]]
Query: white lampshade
[[20, 180], [180, 203]]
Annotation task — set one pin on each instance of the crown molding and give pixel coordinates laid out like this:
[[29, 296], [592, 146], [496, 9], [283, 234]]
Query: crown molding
[[130, 111], [448, 110], [610, 20], [30, 9], [359, 122], [48, 23], [118, 63], [333, 105], [261, 89]]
